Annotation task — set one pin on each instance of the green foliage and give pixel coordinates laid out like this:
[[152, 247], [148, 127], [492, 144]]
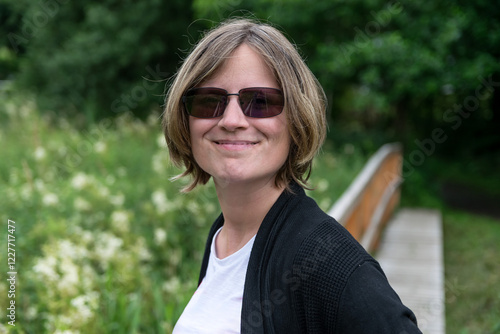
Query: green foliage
[[471, 248], [99, 233], [107, 56]]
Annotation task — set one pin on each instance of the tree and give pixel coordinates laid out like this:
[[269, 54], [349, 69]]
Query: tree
[[99, 57]]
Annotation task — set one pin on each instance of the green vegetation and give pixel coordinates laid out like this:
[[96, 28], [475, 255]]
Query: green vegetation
[[472, 275]]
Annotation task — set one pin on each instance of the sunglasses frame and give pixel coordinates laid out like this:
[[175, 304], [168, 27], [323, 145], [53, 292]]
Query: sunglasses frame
[[225, 93]]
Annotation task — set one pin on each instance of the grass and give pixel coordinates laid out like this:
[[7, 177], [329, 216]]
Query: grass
[[472, 273]]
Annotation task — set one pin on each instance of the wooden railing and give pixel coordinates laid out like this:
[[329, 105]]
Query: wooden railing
[[365, 207]]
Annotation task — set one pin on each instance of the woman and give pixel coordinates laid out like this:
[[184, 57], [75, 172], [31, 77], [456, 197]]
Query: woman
[[245, 110]]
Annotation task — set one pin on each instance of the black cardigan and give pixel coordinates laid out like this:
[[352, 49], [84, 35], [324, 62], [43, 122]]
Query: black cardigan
[[307, 274]]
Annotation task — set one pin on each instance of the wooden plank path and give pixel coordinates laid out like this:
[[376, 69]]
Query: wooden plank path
[[411, 255]]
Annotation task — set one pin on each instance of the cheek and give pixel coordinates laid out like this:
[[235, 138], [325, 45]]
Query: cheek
[[195, 133], [197, 129], [282, 142]]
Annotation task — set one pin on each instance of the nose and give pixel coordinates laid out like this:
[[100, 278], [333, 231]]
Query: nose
[[233, 117]]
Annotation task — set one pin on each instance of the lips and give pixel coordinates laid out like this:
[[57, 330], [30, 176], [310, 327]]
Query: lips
[[235, 145], [234, 142]]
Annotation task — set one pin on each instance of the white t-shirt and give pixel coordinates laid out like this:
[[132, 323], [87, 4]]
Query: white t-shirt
[[216, 305]]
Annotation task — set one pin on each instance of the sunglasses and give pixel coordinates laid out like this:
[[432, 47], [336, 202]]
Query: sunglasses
[[255, 102]]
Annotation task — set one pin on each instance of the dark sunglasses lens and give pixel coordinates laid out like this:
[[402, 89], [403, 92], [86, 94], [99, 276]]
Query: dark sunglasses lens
[[205, 102], [261, 102]]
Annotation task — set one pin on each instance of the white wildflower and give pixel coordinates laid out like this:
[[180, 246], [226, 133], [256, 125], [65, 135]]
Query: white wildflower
[[325, 204], [121, 171], [193, 207], [175, 257], [107, 246], [110, 179], [50, 199], [210, 208], [142, 250], [100, 147], [26, 191], [64, 320], [10, 108], [39, 185], [87, 277], [27, 109], [39, 153], [81, 204], [103, 191], [160, 236], [46, 267], [85, 305], [66, 331], [153, 119], [323, 185], [160, 201], [172, 285], [86, 236], [120, 221], [159, 162], [69, 281], [31, 313], [117, 200], [160, 140], [69, 249], [80, 180]]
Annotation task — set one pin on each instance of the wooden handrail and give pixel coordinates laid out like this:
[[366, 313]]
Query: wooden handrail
[[365, 207]]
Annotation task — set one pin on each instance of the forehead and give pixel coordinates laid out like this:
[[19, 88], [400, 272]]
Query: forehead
[[244, 67]]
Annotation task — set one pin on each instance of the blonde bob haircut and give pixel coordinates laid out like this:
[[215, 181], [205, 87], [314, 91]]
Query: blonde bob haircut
[[305, 101]]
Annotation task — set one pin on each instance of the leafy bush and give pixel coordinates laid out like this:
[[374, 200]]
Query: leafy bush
[[99, 58]]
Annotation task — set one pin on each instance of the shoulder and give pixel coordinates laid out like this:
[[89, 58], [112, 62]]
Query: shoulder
[[311, 235], [369, 305], [314, 251], [335, 284]]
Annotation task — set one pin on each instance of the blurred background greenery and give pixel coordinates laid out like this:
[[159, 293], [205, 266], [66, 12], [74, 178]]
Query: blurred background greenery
[[83, 167]]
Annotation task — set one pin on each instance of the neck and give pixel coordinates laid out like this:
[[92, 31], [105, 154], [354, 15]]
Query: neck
[[244, 206]]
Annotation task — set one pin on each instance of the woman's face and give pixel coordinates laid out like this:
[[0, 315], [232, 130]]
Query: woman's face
[[234, 148]]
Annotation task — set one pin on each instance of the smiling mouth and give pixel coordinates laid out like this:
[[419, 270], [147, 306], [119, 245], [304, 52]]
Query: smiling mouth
[[242, 143], [235, 146]]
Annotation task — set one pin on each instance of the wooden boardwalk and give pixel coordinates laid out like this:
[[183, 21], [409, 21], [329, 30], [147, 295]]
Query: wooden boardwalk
[[411, 254]]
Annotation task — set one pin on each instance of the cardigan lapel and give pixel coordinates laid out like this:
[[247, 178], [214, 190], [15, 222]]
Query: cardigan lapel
[[255, 294]]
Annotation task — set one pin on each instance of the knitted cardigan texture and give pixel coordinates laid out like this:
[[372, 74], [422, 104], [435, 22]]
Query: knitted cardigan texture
[[307, 274]]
